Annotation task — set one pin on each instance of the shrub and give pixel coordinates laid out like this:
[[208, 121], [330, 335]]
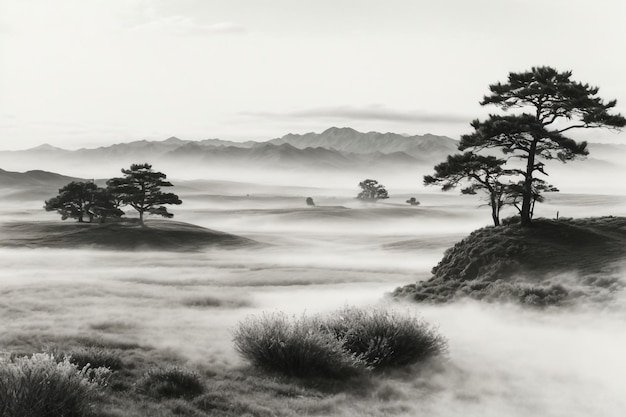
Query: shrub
[[385, 339], [95, 357], [172, 382], [347, 343], [299, 348], [41, 386]]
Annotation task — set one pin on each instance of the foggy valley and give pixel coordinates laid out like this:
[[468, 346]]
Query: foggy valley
[[317, 209], [310, 260]]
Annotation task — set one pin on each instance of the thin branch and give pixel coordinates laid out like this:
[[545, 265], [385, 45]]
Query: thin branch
[[573, 127]]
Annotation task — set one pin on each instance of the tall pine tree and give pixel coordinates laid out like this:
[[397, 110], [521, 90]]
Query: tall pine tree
[[551, 104]]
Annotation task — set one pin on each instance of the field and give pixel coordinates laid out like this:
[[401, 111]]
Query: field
[[161, 307]]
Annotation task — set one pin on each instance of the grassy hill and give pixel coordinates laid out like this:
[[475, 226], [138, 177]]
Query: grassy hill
[[552, 263], [121, 235]]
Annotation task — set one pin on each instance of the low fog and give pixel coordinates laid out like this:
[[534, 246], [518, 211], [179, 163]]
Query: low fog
[[503, 360]]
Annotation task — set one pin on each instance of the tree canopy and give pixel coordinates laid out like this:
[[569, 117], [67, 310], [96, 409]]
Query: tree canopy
[[140, 188], [551, 104], [79, 199], [371, 190], [477, 173]]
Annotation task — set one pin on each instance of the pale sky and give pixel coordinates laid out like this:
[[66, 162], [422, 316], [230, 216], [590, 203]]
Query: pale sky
[[85, 73]]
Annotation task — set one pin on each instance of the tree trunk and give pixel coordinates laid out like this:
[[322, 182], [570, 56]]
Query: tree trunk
[[495, 212], [141, 218], [527, 196]]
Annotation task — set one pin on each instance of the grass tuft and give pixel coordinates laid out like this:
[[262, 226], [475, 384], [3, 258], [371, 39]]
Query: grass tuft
[[42, 386], [96, 357], [171, 382]]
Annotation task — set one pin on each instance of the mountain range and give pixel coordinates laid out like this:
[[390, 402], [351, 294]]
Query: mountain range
[[334, 148]]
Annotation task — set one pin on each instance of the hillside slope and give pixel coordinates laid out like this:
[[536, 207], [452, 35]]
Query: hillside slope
[[32, 185], [33, 178], [123, 235], [551, 263]]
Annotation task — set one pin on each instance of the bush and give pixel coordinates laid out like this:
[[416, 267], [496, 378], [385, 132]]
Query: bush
[[346, 344], [300, 348], [41, 386], [172, 382], [385, 339]]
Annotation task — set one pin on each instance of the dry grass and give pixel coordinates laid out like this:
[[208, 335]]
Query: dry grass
[[44, 386]]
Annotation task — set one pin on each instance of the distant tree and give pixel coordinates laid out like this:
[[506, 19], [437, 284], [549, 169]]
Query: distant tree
[[140, 188], [477, 173], [371, 190], [557, 104], [310, 202], [412, 201], [79, 199]]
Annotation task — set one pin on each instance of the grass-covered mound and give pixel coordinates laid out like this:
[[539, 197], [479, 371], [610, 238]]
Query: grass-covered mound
[[120, 235], [551, 263]]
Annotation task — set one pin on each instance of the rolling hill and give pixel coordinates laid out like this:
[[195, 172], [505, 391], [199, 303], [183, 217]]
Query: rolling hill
[[554, 262], [33, 178], [32, 185], [121, 235]]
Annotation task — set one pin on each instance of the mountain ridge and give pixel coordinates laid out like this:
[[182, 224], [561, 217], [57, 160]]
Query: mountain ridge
[[335, 148]]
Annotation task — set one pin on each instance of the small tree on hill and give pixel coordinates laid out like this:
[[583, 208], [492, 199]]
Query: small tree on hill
[[478, 173], [79, 199], [140, 188], [371, 190], [556, 104]]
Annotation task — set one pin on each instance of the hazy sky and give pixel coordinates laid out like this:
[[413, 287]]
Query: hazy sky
[[79, 73]]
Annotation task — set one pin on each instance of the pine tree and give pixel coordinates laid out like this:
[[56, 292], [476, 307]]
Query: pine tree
[[79, 199], [556, 105], [140, 188], [477, 173]]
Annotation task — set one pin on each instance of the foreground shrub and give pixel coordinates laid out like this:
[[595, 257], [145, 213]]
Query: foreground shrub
[[299, 347], [385, 339], [345, 344], [172, 382], [43, 387]]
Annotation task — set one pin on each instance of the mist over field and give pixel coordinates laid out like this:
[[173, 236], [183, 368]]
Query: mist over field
[[503, 360], [236, 208]]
